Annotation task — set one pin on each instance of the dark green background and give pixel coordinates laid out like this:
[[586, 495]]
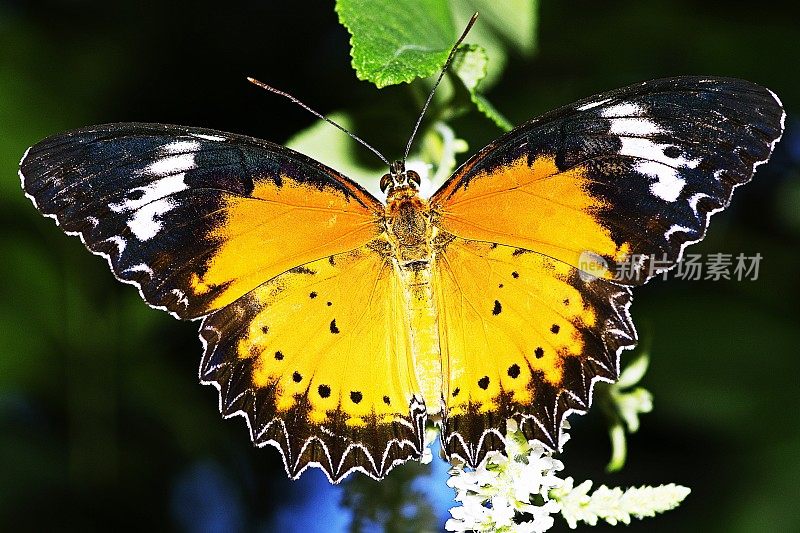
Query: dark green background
[[102, 422]]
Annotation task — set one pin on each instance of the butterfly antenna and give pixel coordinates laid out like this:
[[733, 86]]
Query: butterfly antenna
[[438, 80], [316, 114]]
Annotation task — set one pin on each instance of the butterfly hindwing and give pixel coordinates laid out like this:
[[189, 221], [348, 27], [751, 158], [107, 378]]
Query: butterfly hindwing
[[195, 218], [524, 337], [630, 176], [316, 362]]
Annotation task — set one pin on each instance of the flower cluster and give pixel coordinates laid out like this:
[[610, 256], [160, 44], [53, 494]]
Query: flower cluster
[[519, 491], [614, 505]]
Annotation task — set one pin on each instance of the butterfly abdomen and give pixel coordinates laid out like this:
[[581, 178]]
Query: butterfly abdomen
[[423, 331]]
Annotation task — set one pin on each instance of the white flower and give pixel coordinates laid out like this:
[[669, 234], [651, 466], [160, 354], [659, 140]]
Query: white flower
[[615, 505], [502, 513], [521, 492], [499, 493], [574, 503]]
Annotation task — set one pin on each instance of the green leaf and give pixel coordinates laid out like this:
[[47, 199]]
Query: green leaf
[[634, 371], [514, 21], [485, 107], [619, 448], [501, 27], [397, 41], [438, 152], [470, 66], [622, 403]]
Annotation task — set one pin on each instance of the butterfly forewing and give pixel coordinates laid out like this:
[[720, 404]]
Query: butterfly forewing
[[196, 218], [630, 176]]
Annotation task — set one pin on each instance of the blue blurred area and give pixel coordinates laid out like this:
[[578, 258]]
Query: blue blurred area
[[315, 506], [205, 500], [433, 486]]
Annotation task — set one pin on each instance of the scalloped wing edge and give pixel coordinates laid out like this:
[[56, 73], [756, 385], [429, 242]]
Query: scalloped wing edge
[[100, 253], [294, 466], [727, 203]]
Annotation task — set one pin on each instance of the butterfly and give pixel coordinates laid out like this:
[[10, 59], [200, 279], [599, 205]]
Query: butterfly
[[337, 324]]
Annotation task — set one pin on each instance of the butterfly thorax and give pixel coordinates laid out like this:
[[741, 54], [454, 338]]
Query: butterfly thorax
[[408, 225]]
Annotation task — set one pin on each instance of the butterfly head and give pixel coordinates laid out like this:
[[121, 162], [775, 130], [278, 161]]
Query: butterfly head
[[399, 178]]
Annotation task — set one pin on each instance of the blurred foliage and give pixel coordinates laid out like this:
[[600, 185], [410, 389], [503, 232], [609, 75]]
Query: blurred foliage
[[394, 504], [470, 66], [102, 422], [622, 403]]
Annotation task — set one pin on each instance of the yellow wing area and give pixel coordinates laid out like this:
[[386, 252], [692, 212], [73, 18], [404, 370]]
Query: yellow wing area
[[281, 224], [318, 361], [530, 205], [522, 336]]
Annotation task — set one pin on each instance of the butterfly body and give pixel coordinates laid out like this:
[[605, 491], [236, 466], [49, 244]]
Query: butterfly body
[[336, 324], [411, 236]]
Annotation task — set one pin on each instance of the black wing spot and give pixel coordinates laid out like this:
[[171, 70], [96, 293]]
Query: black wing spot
[[296, 377], [330, 304], [555, 328], [386, 400], [334, 329], [500, 286], [513, 370], [302, 270], [497, 308], [566, 301], [515, 274], [312, 295], [484, 382], [672, 151], [456, 391], [356, 396], [279, 356], [332, 261], [324, 391], [264, 329], [135, 194], [538, 352]]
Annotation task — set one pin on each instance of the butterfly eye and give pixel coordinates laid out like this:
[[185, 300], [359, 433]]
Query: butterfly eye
[[414, 178], [386, 181]]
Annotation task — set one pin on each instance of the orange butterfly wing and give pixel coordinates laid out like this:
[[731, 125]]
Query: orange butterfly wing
[[278, 253], [629, 177], [195, 218], [318, 361], [522, 336]]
